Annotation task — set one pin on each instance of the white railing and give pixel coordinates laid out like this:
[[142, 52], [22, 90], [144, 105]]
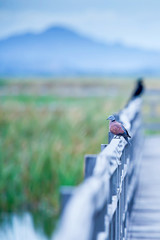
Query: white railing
[[99, 207]]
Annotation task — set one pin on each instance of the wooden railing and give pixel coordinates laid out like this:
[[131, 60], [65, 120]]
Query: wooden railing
[[99, 208]]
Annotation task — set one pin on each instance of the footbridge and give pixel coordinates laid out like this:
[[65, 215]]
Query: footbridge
[[119, 198]]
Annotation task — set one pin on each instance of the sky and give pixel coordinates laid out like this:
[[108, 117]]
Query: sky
[[131, 22]]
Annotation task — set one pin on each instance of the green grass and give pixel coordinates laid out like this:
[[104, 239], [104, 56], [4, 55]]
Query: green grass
[[28, 99], [43, 148], [43, 140]]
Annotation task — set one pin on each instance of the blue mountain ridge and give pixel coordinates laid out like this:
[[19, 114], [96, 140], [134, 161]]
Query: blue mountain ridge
[[59, 50]]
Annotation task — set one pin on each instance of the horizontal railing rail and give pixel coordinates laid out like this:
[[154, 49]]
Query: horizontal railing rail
[[100, 206]]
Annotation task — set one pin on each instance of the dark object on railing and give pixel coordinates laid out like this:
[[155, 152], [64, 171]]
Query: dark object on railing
[[139, 88]]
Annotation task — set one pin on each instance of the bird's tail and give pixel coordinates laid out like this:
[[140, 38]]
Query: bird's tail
[[128, 134], [126, 138]]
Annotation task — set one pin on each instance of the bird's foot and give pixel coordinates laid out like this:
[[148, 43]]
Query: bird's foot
[[116, 137]]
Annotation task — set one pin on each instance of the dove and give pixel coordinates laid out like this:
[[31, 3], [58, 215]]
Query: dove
[[118, 129]]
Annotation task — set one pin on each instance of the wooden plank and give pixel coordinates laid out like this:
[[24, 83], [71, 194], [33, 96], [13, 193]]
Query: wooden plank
[[145, 217]]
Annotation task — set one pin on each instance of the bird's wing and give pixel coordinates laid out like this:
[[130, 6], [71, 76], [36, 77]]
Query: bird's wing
[[125, 130], [116, 128]]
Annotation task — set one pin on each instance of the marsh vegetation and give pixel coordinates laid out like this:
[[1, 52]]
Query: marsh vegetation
[[46, 128]]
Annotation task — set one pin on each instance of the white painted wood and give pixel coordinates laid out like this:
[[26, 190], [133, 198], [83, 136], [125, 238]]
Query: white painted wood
[[92, 195]]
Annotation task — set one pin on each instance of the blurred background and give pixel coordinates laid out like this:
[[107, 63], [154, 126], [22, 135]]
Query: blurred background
[[65, 65]]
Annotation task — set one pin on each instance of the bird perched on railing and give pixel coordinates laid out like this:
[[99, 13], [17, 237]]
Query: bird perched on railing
[[118, 129], [139, 88]]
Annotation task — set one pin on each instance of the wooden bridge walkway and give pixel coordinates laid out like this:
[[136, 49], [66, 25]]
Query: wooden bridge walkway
[[145, 216], [101, 207]]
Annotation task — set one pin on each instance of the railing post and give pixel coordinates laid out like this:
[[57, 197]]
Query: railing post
[[123, 213], [103, 146], [110, 136], [90, 161], [65, 194], [118, 220], [99, 222]]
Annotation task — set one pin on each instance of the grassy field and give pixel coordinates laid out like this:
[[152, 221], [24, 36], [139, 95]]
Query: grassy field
[[46, 128]]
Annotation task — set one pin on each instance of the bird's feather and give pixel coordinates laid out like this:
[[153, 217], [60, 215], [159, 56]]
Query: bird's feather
[[116, 128], [125, 130]]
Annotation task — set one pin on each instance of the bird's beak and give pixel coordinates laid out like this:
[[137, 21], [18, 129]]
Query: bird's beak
[[107, 118]]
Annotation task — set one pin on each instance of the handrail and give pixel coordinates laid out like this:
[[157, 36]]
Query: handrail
[[100, 206]]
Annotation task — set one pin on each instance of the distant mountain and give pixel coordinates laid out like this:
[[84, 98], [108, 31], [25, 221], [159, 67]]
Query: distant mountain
[[59, 50]]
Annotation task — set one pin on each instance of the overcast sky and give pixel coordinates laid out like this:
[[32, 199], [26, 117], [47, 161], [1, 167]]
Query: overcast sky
[[133, 22]]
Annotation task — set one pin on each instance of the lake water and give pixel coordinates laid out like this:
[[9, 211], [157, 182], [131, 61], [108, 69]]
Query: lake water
[[20, 227]]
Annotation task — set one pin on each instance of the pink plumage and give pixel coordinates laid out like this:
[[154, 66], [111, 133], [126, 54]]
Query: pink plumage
[[116, 128]]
